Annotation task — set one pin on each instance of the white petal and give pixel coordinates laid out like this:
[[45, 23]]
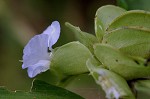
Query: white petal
[[54, 32], [41, 66], [35, 50]]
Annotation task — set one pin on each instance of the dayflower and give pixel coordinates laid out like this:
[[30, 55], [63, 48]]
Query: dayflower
[[37, 53]]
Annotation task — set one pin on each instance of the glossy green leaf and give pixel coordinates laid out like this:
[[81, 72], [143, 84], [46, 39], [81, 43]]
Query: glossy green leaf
[[40, 90], [85, 38], [138, 18], [70, 59], [130, 40], [104, 16], [142, 88], [114, 85], [127, 67]]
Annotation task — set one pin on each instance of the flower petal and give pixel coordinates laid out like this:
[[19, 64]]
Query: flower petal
[[41, 66], [54, 32], [36, 55], [35, 50]]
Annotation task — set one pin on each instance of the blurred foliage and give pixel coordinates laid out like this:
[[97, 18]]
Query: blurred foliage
[[134, 4], [122, 3]]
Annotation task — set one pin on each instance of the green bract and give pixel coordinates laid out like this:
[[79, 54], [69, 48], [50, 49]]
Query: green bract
[[70, 59], [104, 16], [130, 40], [120, 63], [137, 18], [114, 85], [85, 38]]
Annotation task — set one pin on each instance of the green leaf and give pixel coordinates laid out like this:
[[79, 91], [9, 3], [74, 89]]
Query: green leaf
[[114, 85], [138, 18], [142, 88], [130, 40], [127, 67], [70, 59], [104, 16], [40, 90], [85, 38]]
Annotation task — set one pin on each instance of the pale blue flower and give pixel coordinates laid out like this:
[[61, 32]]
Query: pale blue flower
[[37, 53]]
